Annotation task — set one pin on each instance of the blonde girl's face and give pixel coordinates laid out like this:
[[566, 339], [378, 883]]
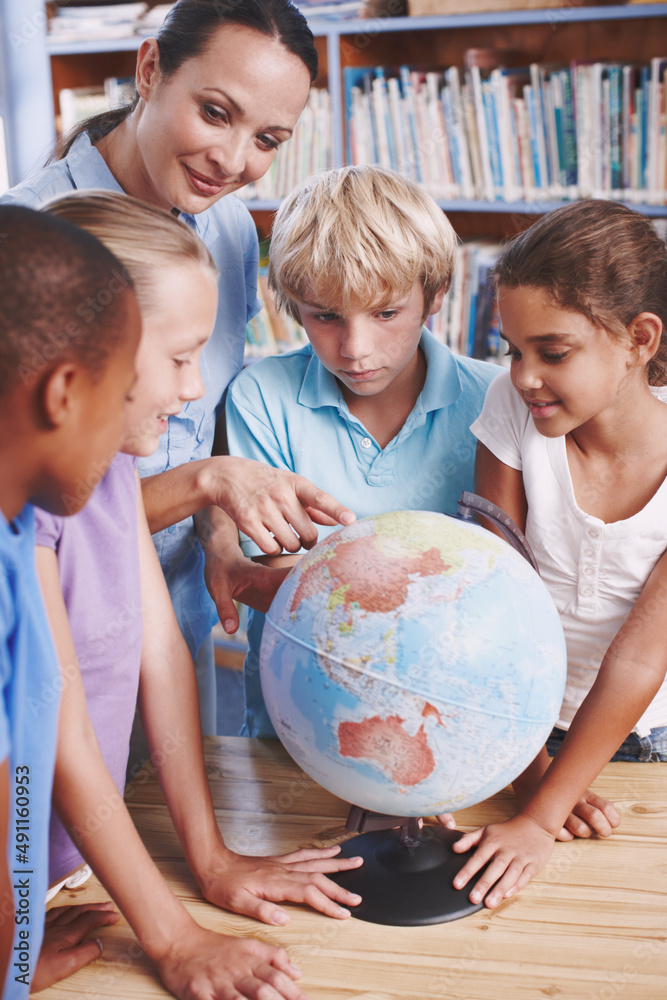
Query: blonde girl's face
[[176, 327], [215, 124]]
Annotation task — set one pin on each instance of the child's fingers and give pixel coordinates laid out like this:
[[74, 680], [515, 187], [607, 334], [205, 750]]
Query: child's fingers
[[467, 841], [326, 859], [447, 821], [80, 955], [61, 916], [516, 875]]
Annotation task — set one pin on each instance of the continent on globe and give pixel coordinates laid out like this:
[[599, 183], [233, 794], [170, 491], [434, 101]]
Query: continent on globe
[[367, 576], [405, 759]]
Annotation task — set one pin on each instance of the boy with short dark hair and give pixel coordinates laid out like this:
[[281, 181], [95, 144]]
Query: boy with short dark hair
[[65, 372]]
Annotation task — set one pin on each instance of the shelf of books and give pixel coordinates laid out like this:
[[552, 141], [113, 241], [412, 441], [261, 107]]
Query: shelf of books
[[500, 114]]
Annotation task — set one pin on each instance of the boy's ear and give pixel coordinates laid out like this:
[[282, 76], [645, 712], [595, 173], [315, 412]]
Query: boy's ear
[[646, 333], [58, 392], [439, 296]]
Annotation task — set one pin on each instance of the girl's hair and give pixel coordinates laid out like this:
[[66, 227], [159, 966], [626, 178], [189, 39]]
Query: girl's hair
[[359, 236], [185, 33], [600, 259], [145, 239]]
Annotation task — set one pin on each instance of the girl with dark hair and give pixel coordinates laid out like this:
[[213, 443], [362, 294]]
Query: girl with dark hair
[[219, 89], [572, 443]]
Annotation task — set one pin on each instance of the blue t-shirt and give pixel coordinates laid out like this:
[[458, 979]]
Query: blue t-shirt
[[30, 679], [289, 412], [229, 232]]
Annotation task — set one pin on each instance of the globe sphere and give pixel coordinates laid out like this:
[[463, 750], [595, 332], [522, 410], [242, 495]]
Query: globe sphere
[[413, 663]]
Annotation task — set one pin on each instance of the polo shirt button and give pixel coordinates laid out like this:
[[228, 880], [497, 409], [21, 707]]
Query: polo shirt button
[[592, 533], [588, 570], [366, 442]]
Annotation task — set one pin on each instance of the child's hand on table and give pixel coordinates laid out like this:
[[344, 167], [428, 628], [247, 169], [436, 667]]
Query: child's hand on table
[[66, 947], [202, 964], [253, 885], [591, 815], [514, 850]]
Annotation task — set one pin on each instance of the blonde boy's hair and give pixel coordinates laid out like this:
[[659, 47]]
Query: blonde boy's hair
[[144, 238], [358, 237]]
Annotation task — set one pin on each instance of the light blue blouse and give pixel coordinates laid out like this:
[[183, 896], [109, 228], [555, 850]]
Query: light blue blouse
[[228, 231]]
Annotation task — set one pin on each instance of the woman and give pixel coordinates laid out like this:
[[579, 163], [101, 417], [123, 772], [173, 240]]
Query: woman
[[218, 90]]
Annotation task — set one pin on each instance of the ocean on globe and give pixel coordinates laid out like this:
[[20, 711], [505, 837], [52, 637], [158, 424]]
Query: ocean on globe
[[413, 663]]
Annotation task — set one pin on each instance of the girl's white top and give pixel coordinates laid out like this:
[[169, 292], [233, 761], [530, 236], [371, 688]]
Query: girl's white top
[[594, 571]]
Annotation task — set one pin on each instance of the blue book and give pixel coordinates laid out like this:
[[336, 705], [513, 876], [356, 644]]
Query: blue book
[[491, 119], [614, 74], [642, 115], [534, 127], [353, 76], [569, 128], [452, 133], [413, 145]]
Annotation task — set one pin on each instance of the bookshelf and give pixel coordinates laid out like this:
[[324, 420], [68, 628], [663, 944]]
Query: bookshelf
[[553, 35]]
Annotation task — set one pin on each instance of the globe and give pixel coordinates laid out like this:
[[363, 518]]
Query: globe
[[413, 663]]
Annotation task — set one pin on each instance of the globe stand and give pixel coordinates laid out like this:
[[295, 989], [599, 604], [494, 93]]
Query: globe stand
[[407, 875]]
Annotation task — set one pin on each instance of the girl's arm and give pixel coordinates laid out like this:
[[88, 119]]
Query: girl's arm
[[193, 962], [170, 715], [630, 675]]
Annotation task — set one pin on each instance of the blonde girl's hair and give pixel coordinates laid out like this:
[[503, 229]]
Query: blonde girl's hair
[[600, 259], [144, 238], [358, 237]]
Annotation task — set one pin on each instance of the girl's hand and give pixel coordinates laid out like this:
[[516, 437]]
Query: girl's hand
[[515, 851], [252, 886], [591, 815], [203, 965], [447, 820], [66, 948]]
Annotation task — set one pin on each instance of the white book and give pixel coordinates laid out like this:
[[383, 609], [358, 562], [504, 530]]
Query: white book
[[398, 125], [453, 81], [444, 177]]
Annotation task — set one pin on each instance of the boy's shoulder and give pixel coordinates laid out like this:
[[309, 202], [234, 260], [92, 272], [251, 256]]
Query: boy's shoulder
[[277, 372], [463, 374]]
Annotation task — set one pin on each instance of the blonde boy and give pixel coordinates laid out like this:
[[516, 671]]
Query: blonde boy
[[374, 409]]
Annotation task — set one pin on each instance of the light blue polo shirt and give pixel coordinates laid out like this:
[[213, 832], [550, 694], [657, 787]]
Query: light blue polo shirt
[[229, 232], [30, 684], [289, 412]]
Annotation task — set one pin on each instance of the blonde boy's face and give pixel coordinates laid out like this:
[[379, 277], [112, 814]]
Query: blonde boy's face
[[371, 350]]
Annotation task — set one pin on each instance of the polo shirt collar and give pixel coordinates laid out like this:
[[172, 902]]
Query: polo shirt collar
[[442, 387]]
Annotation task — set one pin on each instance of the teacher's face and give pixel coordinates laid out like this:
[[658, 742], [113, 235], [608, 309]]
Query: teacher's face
[[217, 122]]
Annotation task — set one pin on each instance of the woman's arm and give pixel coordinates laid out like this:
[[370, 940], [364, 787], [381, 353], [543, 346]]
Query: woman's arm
[[276, 508]]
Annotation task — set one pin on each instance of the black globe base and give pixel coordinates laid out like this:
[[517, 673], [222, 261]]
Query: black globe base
[[406, 880]]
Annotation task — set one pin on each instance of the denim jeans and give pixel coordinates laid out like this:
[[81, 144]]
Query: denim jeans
[[636, 748]]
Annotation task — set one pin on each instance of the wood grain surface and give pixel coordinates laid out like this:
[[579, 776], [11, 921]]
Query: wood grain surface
[[591, 926]]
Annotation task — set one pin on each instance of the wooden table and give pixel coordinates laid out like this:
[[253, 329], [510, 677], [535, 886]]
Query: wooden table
[[591, 926]]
